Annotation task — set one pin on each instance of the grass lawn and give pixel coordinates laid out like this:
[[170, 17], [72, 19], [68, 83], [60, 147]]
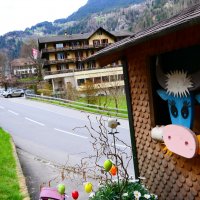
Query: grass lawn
[[108, 101], [9, 183]]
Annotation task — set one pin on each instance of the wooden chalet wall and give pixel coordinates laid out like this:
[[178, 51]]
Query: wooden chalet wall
[[170, 177]]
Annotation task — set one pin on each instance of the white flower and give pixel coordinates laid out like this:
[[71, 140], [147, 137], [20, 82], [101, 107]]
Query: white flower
[[125, 195], [147, 196], [137, 194], [155, 196], [92, 194]]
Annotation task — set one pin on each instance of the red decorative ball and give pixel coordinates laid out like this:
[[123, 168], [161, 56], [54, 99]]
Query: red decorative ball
[[75, 194]]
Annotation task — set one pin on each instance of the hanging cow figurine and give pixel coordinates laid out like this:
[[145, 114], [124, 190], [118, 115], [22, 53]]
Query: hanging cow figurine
[[178, 87]]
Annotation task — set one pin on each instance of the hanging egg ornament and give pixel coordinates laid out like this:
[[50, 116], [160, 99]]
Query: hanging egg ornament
[[61, 188], [113, 170], [88, 187], [107, 165], [75, 194]]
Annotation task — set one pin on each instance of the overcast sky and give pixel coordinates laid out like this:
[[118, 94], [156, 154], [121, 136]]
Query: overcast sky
[[21, 14]]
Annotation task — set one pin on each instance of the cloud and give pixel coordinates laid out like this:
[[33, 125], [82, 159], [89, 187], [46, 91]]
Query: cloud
[[20, 14]]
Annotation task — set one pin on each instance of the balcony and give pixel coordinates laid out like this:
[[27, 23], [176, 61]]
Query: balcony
[[66, 71], [77, 47], [62, 61]]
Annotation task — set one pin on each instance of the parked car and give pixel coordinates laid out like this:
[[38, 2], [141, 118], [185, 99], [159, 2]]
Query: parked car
[[1, 92], [13, 93]]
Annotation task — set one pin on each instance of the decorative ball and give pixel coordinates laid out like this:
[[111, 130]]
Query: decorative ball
[[113, 170], [61, 188], [88, 187], [75, 194], [107, 165]]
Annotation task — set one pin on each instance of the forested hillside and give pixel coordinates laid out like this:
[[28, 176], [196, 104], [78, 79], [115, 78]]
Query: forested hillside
[[113, 15]]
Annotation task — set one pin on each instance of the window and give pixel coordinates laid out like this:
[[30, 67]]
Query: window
[[79, 65], [79, 54], [80, 81], [104, 41], [91, 65], [90, 80], [63, 67], [96, 42], [60, 56], [60, 45], [113, 78], [105, 78], [100, 32], [120, 77], [97, 80]]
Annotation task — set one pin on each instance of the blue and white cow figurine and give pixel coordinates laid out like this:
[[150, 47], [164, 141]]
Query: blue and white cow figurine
[[178, 87]]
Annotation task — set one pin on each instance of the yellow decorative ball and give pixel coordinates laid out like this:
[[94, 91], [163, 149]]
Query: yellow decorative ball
[[88, 187]]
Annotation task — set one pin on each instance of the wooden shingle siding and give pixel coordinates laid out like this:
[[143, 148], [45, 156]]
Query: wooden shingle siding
[[172, 178]]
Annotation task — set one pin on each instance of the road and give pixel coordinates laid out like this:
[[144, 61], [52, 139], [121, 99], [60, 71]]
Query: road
[[47, 131]]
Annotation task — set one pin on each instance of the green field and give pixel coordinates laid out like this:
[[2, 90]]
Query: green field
[[105, 102], [9, 183], [109, 101]]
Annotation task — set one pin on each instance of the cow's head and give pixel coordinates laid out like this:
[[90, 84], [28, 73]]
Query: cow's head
[[178, 87], [181, 109]]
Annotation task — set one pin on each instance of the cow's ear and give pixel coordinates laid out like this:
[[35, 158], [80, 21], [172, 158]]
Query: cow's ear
[[163, 94], [198, 97]]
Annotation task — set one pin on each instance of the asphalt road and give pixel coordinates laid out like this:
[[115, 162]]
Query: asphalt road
[[47, 132]]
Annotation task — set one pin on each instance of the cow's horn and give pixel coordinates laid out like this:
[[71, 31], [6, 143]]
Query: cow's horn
[[195, 81], [160, 75]]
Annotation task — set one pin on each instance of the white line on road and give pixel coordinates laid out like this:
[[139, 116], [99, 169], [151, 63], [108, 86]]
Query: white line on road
[[13, 112], [41, 124], [1, 107], [70, 133]]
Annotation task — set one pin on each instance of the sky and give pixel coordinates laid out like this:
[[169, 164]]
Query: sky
[[22, 14]]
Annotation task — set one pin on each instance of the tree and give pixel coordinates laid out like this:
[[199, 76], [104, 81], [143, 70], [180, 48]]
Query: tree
[[71, 92], [27, 52], [89, 91], [112, 89], [5, 72]]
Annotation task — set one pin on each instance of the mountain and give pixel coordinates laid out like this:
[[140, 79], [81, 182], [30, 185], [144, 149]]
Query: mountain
[[113, 15], [94, 6]]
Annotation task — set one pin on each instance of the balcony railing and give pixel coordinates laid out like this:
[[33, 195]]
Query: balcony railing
[[75, 47], [46, 73], [66, 60]]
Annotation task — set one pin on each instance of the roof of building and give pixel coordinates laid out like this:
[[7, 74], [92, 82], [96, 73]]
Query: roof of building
[[81, 36], [187, 17], [21, 62]]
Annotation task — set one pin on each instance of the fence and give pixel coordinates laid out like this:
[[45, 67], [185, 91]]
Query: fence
[[83, 106]]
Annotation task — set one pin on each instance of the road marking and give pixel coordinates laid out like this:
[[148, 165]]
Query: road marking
[[120, 145], [41, 124], [2, 107], [13, 112], [70, 133]]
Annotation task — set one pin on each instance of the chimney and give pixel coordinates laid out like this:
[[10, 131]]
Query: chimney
[[65, 32]]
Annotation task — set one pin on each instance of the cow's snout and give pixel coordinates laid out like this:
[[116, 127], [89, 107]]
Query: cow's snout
[[180, 140]]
